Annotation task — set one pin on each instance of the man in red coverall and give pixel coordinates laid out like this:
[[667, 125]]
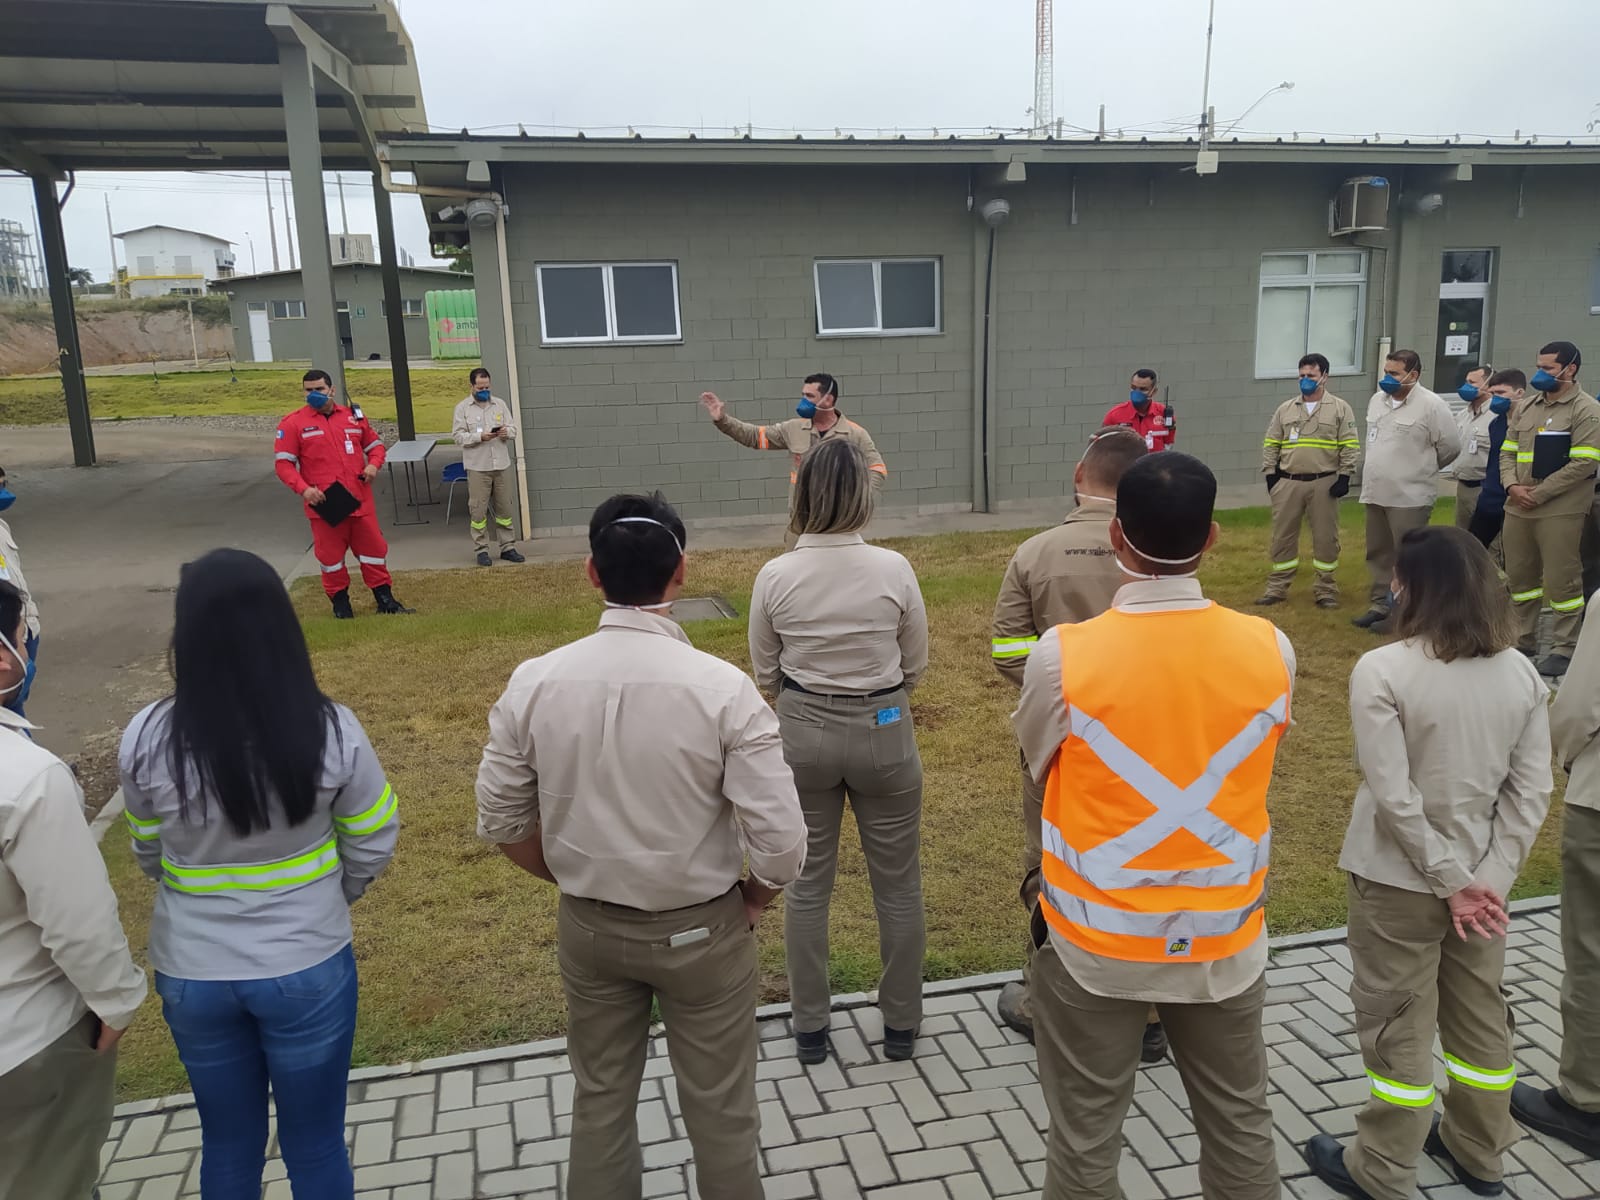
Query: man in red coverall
[[321, 444], [1143, 413]]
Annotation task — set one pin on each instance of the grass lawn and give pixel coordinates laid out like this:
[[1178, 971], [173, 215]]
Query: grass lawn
[[211, 393], [457, 948]]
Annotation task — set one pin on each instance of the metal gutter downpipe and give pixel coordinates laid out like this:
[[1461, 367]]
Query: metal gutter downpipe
[[525, 509]]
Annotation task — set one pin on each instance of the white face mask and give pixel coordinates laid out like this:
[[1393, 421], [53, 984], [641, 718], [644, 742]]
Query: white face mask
[[22, 665], [1166, 562]]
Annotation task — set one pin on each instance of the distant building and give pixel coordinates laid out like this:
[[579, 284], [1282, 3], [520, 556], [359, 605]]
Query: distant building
[[352, 248], [268, 311], [162, 260]]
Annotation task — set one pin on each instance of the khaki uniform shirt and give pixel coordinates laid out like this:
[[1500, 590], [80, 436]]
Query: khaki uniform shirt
[[838, 617], [1407, 446], [1042, 724], [1059, 577], [472, 421], [1301, 442], [647, 768], [1575, 721], [1455, 769], [11, 572], [62, 950], [1561, 493], [796, 435], [1473, 430]]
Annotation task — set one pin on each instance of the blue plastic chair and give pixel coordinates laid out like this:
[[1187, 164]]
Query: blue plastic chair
[[452, 474]]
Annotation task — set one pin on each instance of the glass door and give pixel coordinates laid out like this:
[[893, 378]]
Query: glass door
[[1463, 316]]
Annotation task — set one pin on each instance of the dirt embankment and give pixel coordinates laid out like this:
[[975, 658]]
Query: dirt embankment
[[28, 345]]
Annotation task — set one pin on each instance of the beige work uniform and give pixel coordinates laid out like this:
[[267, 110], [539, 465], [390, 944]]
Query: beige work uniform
[[1472, 426], [1408, 443], [1543, 545], [488, 464], [1061, 576], [1309, 449], [797, 435], [11, 572], [1090, 1010], [1455, 766], [1575, 732], [648, 770], [839, 630]]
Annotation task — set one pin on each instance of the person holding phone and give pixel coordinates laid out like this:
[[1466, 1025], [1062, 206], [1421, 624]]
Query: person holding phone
[[68, 986], [484, 427], [329, 454]]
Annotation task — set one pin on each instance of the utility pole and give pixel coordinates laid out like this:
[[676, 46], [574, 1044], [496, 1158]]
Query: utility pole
[[1044, 67], [272, 220], [288, 226], [344, 220], [1205, 88], [194, 345], [111, 240]]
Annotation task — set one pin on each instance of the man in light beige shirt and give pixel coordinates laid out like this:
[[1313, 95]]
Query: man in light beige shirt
[[1411, 437], [636, 773], [1571, 1110], [68, 986], [484, 427]]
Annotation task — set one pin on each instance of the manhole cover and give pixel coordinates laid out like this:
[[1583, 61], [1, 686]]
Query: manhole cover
[[701, 608]]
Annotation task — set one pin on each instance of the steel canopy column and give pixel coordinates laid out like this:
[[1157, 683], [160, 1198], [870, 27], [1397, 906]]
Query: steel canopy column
[[389, 266], [69, 353], [310, 209]]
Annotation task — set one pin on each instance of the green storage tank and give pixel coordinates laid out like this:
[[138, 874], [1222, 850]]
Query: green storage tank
[[452, 323]]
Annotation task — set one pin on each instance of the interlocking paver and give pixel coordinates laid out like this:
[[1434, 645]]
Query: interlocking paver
[[962, 1120]]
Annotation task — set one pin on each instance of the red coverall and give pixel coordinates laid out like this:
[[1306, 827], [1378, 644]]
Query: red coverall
[[1149, 424], [316, 447]]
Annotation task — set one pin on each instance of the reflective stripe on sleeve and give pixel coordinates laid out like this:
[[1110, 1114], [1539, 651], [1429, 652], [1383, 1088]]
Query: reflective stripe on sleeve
[[145, 831], [304, 868], [373, 818], [1400, 1093], [761, 439], [1479, 1077], [1015, 647], [879, 468], [285, 456], [367, 449], [1588, 452], [1508, 444], [1524, 456]]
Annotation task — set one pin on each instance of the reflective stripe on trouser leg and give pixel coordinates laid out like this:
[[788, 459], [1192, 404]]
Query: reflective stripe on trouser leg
[[1524, 575], [1580, 949], [1324, 512], [328, 546], [371, 551], [1288, 510], [501, 503], [1561, 557], [480, 487], [1032, 865]]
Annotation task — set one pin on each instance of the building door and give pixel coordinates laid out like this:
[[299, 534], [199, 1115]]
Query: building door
[[260, 332], [347, 339], [1463, 316]]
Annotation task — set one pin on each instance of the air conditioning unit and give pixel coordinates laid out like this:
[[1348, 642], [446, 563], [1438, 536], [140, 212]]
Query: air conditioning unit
[[1361, 205]]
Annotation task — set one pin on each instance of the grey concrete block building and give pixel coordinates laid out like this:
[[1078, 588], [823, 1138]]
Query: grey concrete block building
[[982, 353], [268, 311]]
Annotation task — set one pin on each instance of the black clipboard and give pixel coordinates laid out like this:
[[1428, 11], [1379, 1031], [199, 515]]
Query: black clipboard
[[337, 504], [1552, 450]]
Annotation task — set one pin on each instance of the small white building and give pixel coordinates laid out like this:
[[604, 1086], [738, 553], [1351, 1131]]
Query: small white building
[[351, 248], [161, 260]]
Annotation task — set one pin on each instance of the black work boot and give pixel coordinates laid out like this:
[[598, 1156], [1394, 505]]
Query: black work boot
[[1014, 1009], [387, 604], [1369, 618], [811, 1047], [1325, 1156], [1436, 1147], [1153, 1047], [899, 1044], [1549, 1112], [512, 555], [341, 606]]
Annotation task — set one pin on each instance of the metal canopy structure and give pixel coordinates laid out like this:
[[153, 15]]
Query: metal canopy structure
[[184, 85]]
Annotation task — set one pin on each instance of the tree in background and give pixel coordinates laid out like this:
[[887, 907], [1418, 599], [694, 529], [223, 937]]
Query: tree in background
[[459, 257], [80, 278]]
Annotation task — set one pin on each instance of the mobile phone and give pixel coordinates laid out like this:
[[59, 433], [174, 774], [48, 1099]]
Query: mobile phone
[[689, 937]]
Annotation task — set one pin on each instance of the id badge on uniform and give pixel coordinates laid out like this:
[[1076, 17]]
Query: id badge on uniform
[[888, 716], [349, 446], [1294, 434], [1372, 434], [1149, 441], [1472, 446]]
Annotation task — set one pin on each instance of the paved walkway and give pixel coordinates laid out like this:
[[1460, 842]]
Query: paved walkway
[[963, 1121]]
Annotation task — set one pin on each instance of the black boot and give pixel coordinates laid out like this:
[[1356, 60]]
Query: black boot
[[1153, 1046], [1549, 1112], [1325, 1156], [341, 606], [387, 604]]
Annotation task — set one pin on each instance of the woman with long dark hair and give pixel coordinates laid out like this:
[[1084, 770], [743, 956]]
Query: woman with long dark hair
[[1453, 740], [259, 806]]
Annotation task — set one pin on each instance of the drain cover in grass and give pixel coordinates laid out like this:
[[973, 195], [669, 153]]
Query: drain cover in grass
[[701, 608]]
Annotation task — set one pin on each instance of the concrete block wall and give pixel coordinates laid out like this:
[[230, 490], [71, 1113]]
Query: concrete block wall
[[603, 418]]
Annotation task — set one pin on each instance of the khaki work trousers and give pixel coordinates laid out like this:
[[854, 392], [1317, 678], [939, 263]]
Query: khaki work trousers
[[1589, 549], [614, 961], [1412, 976], [1580, 945], [1385, 528], [1088, 1049], [55, 1112], [489, 498], [1293, 500], [1467, 502], [1544, 570], [1032, 868], [839, 748]]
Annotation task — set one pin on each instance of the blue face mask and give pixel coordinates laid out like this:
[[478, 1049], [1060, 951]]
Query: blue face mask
[[1308, 385], [1138, 399], [1389, 384], [1500, 404], [7, 498], [1468, 392], [1543, 381], [807, 407], [316, 399], [482, 396]]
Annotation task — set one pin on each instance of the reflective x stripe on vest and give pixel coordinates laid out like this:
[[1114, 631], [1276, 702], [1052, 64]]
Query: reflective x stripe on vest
[[257, 877]]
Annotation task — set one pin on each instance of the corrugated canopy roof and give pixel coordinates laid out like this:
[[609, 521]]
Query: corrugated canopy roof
[[188, 84]]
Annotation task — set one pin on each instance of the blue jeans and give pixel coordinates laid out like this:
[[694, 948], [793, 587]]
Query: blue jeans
[[235, 1037]]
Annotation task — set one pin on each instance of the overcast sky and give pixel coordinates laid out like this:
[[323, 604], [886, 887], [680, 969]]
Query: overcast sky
[[1417, 67]]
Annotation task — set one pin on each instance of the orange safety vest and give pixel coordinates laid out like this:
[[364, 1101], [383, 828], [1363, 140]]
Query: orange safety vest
[[1159, 854]]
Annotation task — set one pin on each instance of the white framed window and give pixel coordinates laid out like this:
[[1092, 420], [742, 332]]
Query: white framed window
[[287, 310], [145, 264], [183, 264], [410, 308], [877, 296], [1311, 301], [585, 303], [255, 305]]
